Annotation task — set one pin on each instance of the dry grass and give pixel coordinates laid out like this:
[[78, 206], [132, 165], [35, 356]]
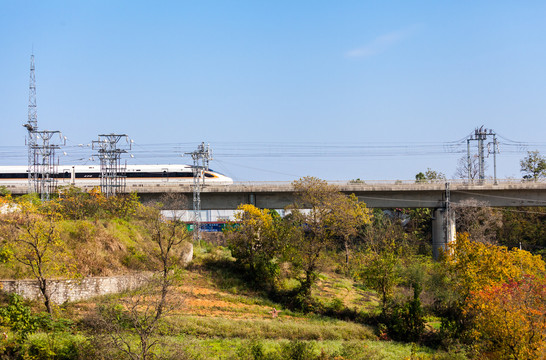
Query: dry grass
[[332, 286], [97, 248]]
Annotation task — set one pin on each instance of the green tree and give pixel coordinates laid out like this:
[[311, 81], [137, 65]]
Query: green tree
[[381, 271], [350, 216], [312, 215], [523, 226], [382, 232], [429, 176], [31, 236], [533, 166], [419, 226], [405, 321]]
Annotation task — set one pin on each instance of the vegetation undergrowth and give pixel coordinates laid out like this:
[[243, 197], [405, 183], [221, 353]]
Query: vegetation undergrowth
[[331, 280]]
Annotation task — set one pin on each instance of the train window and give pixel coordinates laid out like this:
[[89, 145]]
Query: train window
[[14, 176], [87, 175]]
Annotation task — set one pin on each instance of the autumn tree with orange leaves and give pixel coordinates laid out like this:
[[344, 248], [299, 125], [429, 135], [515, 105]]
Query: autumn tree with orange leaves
[[481, 279], [510, 319]]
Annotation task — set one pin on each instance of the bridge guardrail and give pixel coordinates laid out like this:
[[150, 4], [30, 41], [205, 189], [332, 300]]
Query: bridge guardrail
[[170, 186], [397, 182]]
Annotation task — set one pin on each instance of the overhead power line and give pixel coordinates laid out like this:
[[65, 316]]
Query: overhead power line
[[169, 152]]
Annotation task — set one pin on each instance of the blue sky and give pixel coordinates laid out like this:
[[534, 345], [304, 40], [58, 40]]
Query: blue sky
[[280, 89]]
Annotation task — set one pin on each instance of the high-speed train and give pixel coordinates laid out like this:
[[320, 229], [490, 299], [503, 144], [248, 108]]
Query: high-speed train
[[86, 175]]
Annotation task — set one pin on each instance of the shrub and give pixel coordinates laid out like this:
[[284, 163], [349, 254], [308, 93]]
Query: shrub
[[510, 320], [298, 350], [253, 350], [57, 346], [18, 317], [405, 322]]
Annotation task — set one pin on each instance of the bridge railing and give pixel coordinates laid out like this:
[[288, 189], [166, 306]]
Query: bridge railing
[[172, 186], [396, 182]]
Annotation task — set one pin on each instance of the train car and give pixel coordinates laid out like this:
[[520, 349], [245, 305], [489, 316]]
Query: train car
[[86, 175]]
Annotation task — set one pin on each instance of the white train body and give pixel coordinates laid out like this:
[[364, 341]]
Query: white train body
[[89, 175]]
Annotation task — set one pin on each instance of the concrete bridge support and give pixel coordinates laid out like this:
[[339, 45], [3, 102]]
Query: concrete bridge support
[[443, 230]]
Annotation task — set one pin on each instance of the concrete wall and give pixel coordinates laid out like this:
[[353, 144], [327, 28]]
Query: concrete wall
[[76, 289]]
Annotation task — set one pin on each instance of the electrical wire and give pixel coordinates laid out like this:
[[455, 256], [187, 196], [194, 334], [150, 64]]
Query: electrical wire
[[169, 152]]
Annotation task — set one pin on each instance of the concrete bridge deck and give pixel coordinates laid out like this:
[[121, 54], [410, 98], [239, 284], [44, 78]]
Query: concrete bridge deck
[[376, 194]]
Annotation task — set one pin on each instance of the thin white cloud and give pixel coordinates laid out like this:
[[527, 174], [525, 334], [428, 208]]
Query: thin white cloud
[[381, 43]]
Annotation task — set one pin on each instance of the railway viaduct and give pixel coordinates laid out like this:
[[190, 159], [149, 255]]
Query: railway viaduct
[[438, 195], [393, 194], [377, 194]]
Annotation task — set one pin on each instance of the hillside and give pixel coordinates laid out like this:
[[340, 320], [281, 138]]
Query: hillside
[[215, 315], [335, 282], [101, 247]]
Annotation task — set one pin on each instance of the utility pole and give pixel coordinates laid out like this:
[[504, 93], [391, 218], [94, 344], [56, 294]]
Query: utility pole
[[495, 146], [480, 135], [448, 216], [112, 173], [201, 158]]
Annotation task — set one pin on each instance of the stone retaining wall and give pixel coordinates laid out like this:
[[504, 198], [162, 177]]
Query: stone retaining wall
[[76, 289], [63, 290]]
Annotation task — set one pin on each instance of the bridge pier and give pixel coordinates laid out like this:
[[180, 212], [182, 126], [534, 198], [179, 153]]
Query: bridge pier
[[443, 230]]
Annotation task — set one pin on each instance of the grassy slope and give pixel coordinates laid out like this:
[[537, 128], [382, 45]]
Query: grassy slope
[[214, 314], [96, 248]]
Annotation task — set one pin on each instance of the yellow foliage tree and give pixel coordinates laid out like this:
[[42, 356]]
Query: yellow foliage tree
[[502, 297], [252, 240], [77, 204], [474, 266]]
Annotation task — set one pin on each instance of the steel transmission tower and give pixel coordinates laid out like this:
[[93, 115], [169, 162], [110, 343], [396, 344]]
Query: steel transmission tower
[[45, 163], [32, 128], [112, 173], [480, 135], [201, 158], [42, 163]]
